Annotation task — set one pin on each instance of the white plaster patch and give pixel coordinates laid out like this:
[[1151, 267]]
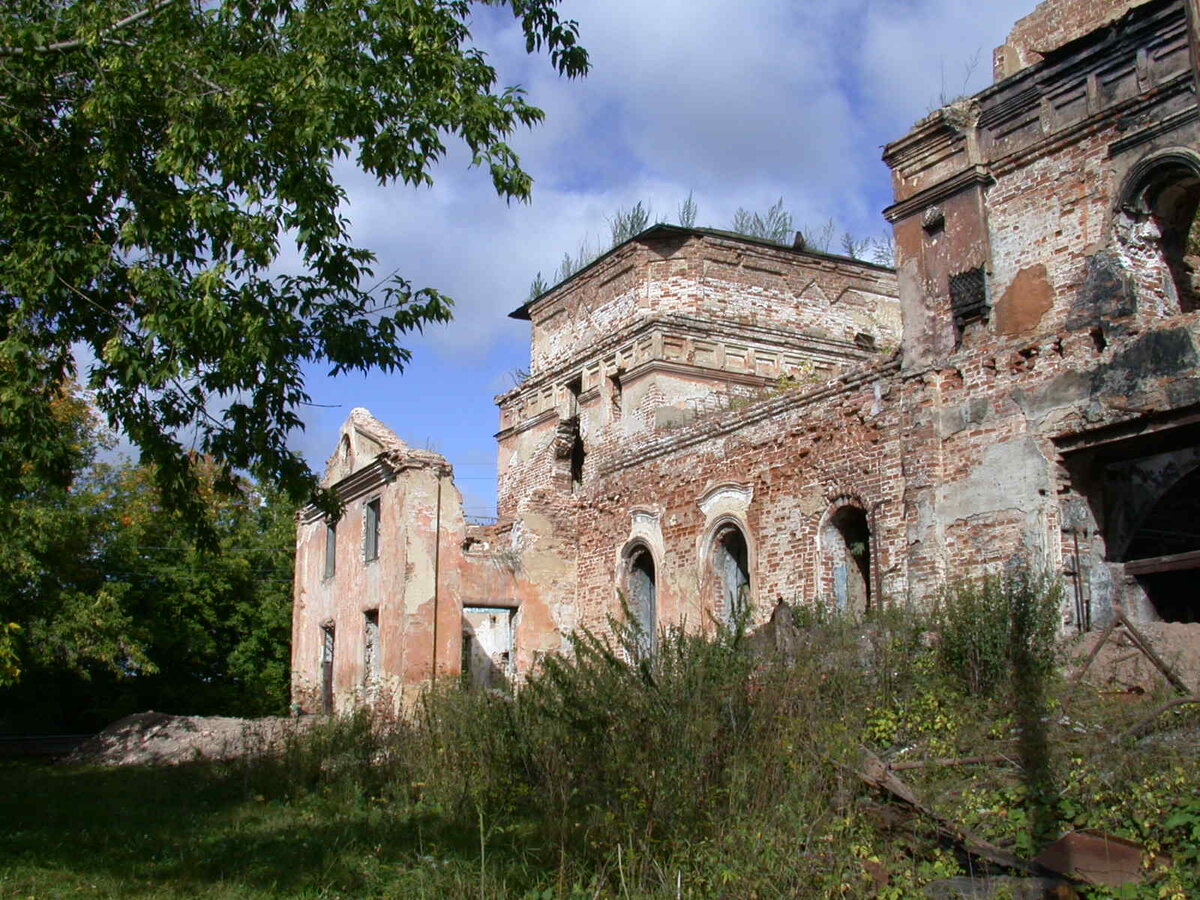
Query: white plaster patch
[[1009, 477], [726, 498]]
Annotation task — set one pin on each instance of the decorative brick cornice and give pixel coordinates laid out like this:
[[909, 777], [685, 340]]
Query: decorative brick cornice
[[683, 325], [687, 436]]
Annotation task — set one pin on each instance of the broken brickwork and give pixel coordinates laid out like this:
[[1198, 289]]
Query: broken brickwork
[[714, 424]]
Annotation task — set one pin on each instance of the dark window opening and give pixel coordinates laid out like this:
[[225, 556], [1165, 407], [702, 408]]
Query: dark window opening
[[642, 595], [615, 399], [968, 298], [330, 549], [1164, 553], [731, 563], [578, 457], [327, 669], [371, 530], [371, 649], [849, 538]]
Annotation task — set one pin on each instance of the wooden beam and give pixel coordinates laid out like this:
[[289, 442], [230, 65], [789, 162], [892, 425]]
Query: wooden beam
[[1172, 563], [1139, 641]]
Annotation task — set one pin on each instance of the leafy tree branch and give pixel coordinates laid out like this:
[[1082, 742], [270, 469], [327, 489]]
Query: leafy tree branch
[[155, 175]]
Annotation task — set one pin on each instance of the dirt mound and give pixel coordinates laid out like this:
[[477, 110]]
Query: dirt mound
[[1120, 666], [157, 739]]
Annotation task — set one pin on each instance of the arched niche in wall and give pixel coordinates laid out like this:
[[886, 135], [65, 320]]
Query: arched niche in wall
[[638, 575], [726, 553], [846, 555], [1163, 191], [728, 572], [640, 579]]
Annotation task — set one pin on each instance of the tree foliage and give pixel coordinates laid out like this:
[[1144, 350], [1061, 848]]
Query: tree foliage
[[774, 225], [688, 210], [119, 609], [162, 160]]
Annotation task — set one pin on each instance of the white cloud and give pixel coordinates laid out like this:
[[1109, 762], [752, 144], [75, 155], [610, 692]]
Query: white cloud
[[742, 103]]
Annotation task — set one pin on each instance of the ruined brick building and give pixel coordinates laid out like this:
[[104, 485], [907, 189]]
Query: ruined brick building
[[712, 423]]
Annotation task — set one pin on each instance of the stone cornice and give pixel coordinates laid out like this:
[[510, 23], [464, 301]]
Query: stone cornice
[[661, 231], [1158, 128], [1076, 131], [379, 472], [943, 190], [1023, 99], [546, 415], [829, 348]]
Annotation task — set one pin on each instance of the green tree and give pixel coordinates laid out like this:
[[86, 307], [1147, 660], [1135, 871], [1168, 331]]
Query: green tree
[[156, 157], [120, 609]]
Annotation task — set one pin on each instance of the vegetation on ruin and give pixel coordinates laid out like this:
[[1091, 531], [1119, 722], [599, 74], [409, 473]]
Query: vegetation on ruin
[[774, 225], [708, 770], [172, 214]]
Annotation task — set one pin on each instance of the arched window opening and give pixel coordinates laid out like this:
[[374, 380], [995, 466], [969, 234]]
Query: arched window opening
[[327, 668], [731, 565], [1174, 209], [1168, 192], [848, 539], [642, 594], [1164, 553]]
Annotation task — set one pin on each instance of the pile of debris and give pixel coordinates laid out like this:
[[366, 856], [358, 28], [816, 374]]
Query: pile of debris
[[1119, 664], [157, 739]]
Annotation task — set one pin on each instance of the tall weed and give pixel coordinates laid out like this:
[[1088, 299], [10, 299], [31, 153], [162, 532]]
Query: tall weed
[[989, 627]]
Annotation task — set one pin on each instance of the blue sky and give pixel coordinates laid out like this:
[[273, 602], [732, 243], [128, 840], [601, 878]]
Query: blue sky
[[741, 103]]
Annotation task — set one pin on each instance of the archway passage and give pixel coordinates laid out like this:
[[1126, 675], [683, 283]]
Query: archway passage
[[642, 587], [1164, 553], [1174, 210], [731, 564], [848, 536], [1170, 194]]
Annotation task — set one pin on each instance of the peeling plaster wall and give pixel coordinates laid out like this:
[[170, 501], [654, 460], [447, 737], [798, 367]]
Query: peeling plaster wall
[[1083, 332]]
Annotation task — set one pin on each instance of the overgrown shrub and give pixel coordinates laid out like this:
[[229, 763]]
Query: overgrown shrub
[[989, 627], [723, 766]]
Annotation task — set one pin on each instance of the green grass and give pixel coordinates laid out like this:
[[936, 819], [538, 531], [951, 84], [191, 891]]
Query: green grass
[[197, 831]]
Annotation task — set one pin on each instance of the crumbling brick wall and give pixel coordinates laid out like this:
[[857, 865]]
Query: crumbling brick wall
[[1024, 386]]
